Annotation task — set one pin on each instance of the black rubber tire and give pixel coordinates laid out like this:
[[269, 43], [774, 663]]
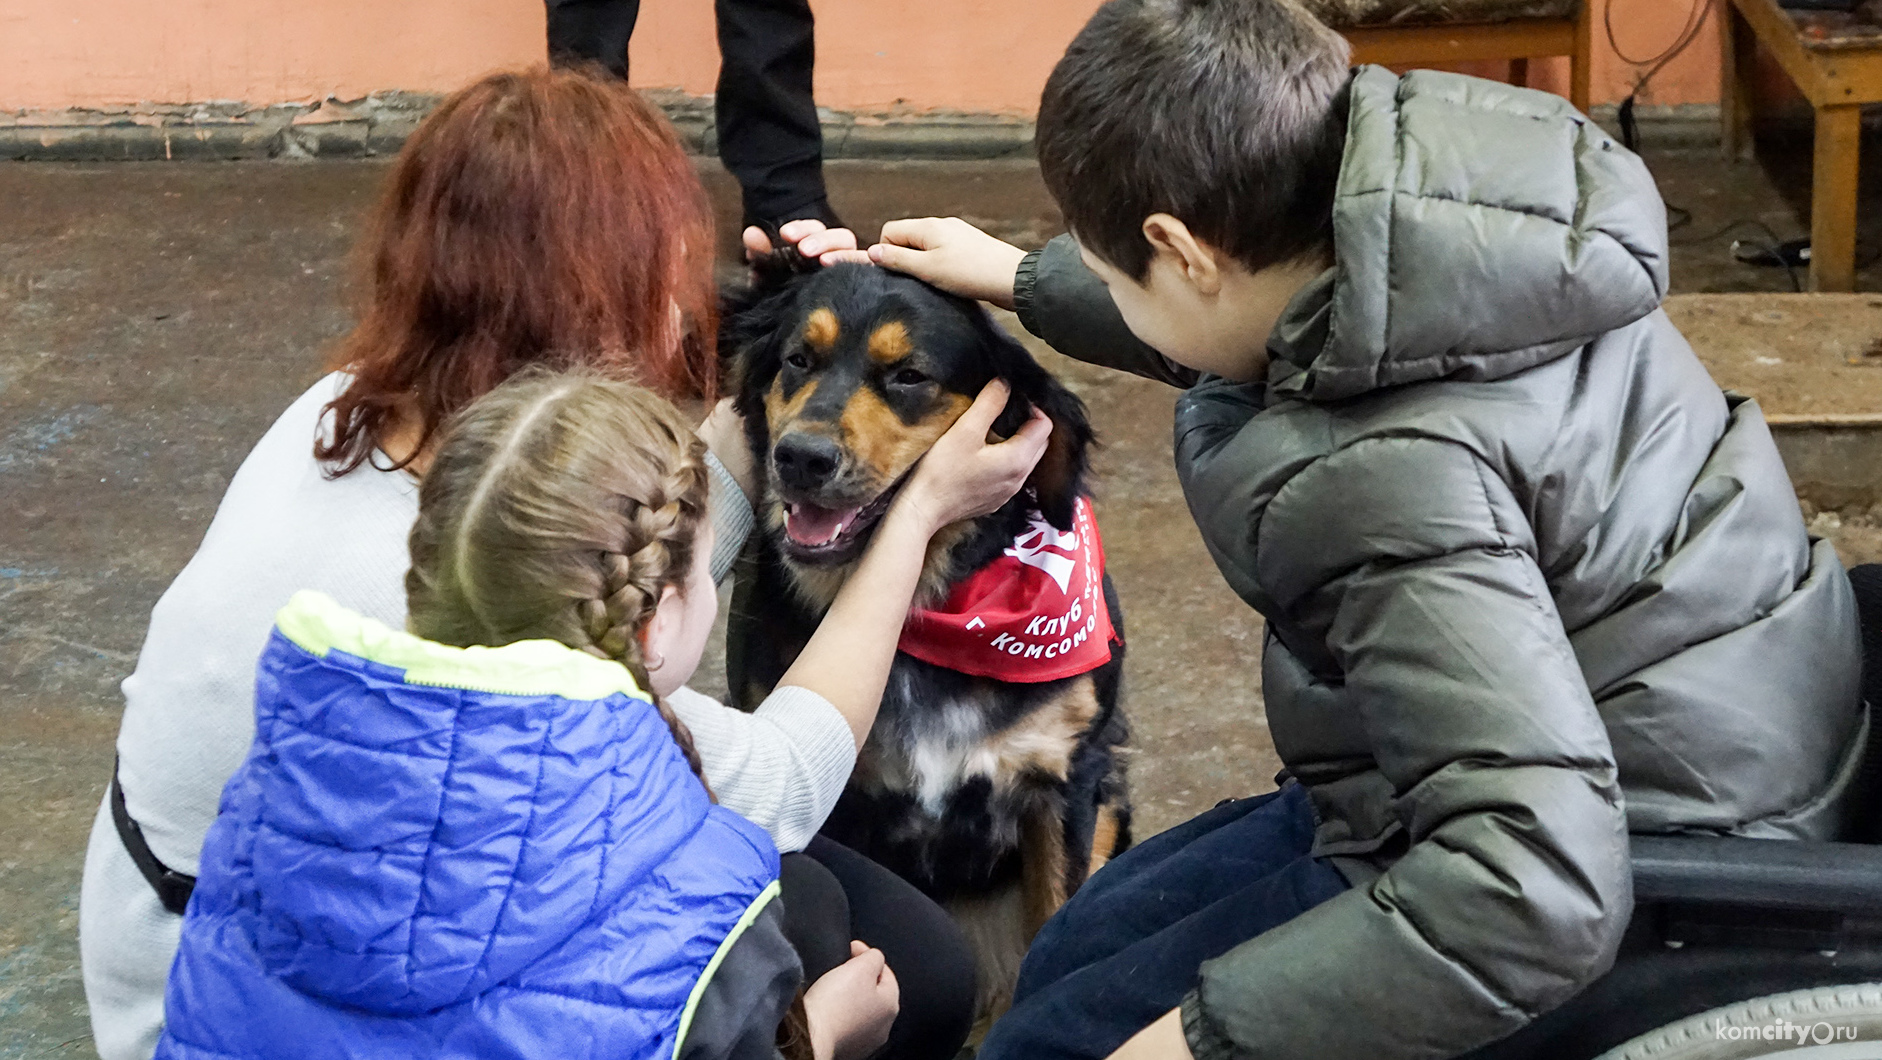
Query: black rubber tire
[[1837, 1023]]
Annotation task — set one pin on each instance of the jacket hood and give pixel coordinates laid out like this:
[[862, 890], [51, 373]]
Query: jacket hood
[[1478, 230], [424, 821]]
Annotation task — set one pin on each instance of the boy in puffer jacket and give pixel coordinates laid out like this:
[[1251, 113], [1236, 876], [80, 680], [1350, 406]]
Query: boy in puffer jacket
[[491, 840], [1531, 580]]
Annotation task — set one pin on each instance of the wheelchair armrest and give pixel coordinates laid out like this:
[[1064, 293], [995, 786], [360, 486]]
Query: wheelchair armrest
[[1770, 873]]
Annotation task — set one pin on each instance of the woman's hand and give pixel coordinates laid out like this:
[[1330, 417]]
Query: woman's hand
[[953, 255], [963, 475], [852, 1006], [813, 239]]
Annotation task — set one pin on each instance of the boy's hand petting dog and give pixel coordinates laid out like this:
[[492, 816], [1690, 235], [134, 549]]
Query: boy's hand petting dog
[[813, 239], [951, 254], [851, 1007], [963, 475]]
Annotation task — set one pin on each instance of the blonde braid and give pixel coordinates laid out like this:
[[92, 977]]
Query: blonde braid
[[634, 572], [658, 533], [559, 507]]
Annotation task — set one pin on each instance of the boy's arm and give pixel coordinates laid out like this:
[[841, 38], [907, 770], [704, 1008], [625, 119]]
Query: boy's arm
[[1414, 561], [1055, 295]]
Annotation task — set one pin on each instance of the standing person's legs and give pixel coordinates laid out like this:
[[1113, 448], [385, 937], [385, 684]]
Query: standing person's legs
[[592, 31], [1120, 956], [925, 949], [767, 121]]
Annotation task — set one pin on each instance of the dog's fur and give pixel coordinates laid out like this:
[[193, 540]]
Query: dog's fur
[[996, 799]]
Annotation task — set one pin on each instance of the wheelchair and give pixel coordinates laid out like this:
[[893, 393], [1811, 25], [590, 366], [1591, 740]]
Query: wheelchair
[[1743, 947]]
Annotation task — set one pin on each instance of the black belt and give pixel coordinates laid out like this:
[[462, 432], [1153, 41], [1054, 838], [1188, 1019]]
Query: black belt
[[173, 888]]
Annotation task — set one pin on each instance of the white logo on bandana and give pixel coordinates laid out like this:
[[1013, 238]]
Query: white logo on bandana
[[1030, 548]]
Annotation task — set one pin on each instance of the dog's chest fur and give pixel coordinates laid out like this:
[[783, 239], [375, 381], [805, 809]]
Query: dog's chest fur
[[956, 768], [928, 746]]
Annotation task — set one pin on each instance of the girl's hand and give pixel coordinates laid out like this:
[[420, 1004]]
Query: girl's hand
[[953, 255], [964, 476], [811, 238], [852, 1006], [847, 660]]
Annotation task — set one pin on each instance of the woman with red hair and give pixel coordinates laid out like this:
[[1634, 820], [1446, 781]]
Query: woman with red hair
[[542, 218]]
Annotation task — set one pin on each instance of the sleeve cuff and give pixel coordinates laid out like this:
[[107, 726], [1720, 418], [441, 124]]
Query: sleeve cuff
[[731, 515], [1206, 1040], [1024, 281]]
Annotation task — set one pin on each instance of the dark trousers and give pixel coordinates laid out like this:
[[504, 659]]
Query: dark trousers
[[767, 123], [1127, 947], [832, 894]]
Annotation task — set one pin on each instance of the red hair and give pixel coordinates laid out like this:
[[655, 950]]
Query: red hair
[[543, 217]]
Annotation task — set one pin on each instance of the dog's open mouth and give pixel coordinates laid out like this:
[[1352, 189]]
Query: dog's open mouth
[[814, 533]]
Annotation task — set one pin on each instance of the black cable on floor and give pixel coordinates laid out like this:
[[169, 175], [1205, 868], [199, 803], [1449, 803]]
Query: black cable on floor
[[1677, 216], [1770, 243]]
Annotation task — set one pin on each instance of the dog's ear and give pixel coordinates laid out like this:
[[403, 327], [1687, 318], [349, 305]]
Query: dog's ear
[[751, 317], [778, 268], [1059, 478], [753, 331]]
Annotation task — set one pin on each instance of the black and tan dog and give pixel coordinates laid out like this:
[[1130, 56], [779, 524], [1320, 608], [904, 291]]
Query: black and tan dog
[[996, 798]]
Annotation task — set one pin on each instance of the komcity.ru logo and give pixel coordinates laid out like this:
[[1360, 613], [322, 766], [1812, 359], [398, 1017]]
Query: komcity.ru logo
[[1822, 1032]]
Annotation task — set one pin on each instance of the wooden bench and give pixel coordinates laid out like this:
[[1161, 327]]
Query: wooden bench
[[1410, 33], [1836, 62]]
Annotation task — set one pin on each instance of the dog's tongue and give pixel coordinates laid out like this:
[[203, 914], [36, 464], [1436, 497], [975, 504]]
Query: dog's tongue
[[808, 524]]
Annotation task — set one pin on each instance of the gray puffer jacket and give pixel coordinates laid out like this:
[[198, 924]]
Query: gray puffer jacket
[[1531, 578]]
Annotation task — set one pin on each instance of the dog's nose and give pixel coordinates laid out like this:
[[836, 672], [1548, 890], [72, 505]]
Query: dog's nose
[[806, 461]]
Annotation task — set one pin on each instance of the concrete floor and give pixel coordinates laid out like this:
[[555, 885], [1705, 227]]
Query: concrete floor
[[154, 318]]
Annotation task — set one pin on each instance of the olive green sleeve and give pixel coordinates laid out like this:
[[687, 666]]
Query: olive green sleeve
[[1064, 303]]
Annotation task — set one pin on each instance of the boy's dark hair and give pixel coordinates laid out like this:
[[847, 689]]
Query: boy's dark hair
[[1227, 114]]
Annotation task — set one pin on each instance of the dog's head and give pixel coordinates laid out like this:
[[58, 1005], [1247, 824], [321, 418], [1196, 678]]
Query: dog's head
[[846, 375]]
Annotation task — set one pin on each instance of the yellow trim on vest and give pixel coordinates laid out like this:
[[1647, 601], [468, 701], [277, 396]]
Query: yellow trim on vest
[[746, 920], [526, 668]]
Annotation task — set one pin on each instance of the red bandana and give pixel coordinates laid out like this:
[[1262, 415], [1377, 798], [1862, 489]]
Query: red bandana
[[1037, 613]]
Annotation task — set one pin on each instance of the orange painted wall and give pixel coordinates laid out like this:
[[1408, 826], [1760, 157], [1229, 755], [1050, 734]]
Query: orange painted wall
[[873, 55], [1642, 29], [88, 53]]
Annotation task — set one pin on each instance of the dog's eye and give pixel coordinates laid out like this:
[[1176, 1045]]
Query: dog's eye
[[909, 377], [798, 361]]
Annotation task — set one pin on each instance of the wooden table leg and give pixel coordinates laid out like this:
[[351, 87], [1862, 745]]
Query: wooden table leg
[[1737, 50], [1581, 64], [1833, 199]]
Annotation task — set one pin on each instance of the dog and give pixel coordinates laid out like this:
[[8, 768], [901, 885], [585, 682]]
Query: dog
[[996, 797]]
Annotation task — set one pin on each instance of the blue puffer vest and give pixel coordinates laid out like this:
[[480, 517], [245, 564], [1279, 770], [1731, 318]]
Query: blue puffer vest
[[444, 852]]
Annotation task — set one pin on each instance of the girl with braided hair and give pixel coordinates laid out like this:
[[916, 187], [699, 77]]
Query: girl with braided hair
[[536, 218], [488, 835]]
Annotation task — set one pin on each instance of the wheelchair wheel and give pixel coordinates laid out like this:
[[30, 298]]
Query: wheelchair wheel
[[1825, 1023]]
